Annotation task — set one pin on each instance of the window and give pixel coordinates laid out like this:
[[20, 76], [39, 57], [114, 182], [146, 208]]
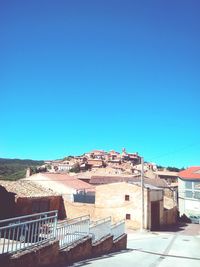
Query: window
[[196, 186], [192, 190], [128, 216], [197, 194], [127, 197], [188, 194], [188, 185]]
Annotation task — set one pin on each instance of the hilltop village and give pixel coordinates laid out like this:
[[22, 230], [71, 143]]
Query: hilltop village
[[101, 162], [99, 194], [108, 180]]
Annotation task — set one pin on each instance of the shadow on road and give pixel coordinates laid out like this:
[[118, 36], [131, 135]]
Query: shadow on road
[[87, 262], [174, 228]]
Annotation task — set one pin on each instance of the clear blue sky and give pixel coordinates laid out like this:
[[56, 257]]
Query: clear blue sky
[[100, 74]]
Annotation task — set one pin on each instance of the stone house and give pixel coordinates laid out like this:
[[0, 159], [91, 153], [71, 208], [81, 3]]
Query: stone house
[[24, 197], [95, 163], [169, 176], [123, 201]]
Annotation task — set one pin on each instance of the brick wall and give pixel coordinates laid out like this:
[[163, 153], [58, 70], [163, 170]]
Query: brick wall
[[104, 246], [42, 256], [84, 249], [49, 255], [79, 251], [120, 243], [24, 205]]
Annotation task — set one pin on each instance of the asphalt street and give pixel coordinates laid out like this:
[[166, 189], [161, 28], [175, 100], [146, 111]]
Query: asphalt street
[[178, 246]]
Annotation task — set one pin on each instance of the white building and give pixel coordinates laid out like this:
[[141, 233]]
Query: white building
[[189, 191], [67, 186]]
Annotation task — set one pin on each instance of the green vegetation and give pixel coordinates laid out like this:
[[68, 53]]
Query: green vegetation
[[14, 169], [68, 158], [171, 169], [76, 168], [174, 169]]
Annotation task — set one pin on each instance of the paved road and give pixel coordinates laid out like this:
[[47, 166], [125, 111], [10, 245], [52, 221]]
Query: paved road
[[174, 247]]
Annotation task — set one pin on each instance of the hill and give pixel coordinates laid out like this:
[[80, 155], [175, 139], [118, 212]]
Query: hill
[[14, 169]]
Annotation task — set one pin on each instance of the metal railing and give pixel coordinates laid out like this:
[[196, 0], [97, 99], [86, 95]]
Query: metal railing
[[23, 232], [100, 229], [70, 231], [118, 229]]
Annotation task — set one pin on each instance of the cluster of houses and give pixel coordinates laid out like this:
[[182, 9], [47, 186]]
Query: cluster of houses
[[167, 195], [118, 162]]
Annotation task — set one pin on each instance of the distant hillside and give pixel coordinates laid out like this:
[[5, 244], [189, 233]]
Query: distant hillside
[[14, 169]]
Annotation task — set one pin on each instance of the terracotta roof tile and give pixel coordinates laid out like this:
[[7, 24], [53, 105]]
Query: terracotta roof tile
[[97, 180], [23, 188], [191, 173], [70, 181]]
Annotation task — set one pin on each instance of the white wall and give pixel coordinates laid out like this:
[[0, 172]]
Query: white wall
[[187, 206], [41, 179]]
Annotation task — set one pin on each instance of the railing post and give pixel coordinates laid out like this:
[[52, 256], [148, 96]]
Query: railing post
[[26, 231]]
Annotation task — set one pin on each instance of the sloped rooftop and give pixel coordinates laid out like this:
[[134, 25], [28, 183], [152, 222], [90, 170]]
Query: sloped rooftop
[[157, 182], [191, 173], [24, 188], [63, 180]]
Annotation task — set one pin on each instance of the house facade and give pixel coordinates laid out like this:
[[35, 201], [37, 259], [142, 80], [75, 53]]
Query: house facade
[[189, 191], [123, 201], [23, 197], [71, 188], [169, 176]]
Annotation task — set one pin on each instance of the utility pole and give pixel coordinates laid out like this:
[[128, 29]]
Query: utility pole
[[142, 194]]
